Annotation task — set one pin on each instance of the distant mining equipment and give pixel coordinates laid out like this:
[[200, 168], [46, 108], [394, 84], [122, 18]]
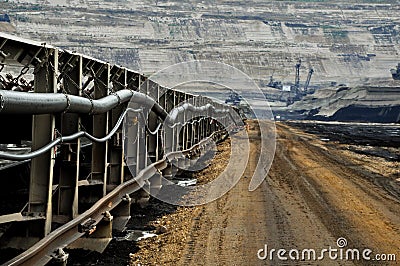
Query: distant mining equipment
[[293, 93], [244, 110], [396, 72]]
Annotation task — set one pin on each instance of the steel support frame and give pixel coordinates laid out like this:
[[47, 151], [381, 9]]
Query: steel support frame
[[67, 201], [43, 131], [100, 129], [115, 164], [107, 166]]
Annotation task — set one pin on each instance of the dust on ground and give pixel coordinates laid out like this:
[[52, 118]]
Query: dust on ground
[[316, 192]]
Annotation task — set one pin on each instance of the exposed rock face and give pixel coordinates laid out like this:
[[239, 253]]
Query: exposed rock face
[[385, 114], [364, 103], [6, 27], [344, 42]]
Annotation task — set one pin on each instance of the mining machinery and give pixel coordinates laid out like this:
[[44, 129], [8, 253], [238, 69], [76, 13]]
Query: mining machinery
[[310, 72], [297, 77], [396, 73]]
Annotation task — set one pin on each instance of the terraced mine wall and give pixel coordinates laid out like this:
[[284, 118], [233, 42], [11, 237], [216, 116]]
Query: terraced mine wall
[[343, 41], [362, 104]]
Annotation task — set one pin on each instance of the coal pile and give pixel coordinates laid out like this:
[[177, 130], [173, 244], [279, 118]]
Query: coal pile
[[382, 140]]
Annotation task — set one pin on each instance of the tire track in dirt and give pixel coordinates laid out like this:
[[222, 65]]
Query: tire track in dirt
[[234, 227], [308, 200], [313, 194], [370, 216]]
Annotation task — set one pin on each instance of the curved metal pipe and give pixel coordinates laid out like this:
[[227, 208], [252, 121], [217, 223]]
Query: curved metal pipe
[[15, 102], [194, 109], [79, 134], [44, 103]]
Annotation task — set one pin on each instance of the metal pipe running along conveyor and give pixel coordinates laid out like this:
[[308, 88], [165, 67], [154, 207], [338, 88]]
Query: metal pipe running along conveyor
[[77, 187]]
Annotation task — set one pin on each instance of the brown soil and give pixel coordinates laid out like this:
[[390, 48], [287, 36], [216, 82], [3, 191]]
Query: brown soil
[[314, 194]]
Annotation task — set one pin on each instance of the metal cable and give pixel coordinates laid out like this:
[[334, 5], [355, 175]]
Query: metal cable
[[155, 131], [46, 148], [16, 102], [79, 134]]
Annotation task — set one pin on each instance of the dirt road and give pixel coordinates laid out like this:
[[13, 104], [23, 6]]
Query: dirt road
[[314, 194]]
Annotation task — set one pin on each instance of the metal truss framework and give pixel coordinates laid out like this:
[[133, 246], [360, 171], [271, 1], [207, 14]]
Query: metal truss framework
[[72, 113]]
